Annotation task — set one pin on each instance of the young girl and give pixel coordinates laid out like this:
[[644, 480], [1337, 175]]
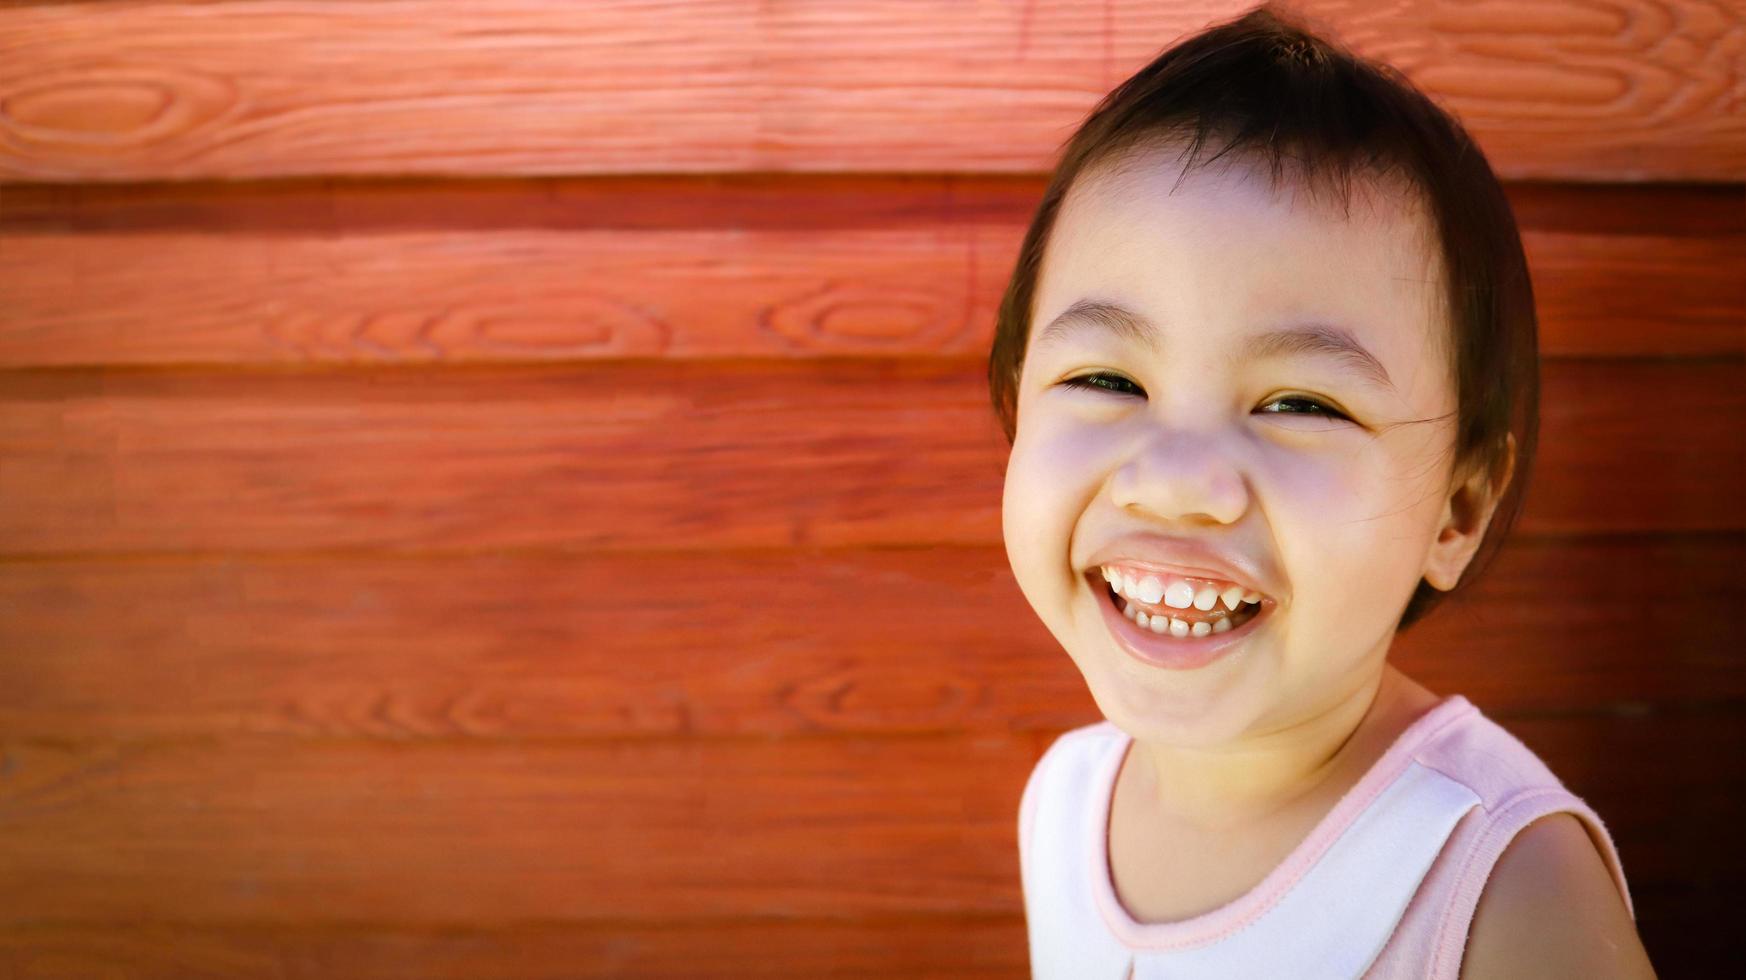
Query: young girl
[[1263, 414]]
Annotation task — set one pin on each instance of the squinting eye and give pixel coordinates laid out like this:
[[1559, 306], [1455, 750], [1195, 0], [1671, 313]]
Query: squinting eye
[[1089, 382], [1085, 381], [1328, 411]]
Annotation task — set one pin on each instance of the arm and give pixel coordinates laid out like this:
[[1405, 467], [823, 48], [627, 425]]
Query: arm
[[1550, 909]]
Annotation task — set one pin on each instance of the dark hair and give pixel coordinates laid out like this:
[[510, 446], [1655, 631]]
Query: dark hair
[[1275, 92]]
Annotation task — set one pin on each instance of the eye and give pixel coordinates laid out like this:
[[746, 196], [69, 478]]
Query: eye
[[1311, 407], [1324, 410], [1087, 381]]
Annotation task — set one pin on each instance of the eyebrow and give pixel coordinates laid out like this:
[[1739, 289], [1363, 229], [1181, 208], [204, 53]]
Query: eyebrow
[[1314, 339]]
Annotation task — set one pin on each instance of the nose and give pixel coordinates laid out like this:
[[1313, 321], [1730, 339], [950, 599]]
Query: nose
[[1181, 477]]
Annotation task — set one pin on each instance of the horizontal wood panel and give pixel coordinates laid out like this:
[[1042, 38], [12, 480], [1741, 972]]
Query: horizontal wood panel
[[943, 946], [727, 202], [641, 455], [381, 670], [331, 831], [1611, 762], [176, 91], [772, 643], [254, 831], [1666, 786], [611, 270], [1684, 936]]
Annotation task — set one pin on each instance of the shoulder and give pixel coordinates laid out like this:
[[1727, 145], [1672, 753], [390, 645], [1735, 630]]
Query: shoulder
[[1068, 761], [1550, 908], [1077, 747]]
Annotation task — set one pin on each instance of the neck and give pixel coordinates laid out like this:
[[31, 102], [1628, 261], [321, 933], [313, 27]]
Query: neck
[[1218, 788]]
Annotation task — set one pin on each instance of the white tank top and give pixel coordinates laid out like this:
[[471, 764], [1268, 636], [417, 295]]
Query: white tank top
[[1329, 909]]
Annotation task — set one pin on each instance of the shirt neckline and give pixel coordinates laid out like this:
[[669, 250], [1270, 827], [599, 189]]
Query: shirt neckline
[[1228, 918]]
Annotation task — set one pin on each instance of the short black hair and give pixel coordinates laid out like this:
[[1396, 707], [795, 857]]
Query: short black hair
[[1278, 93]]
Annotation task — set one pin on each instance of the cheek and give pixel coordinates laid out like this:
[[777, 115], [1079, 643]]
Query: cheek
[[1024, 511], [1353, 527], [1049, 480]]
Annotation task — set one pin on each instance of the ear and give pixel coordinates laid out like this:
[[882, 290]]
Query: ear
[[1466, 514]]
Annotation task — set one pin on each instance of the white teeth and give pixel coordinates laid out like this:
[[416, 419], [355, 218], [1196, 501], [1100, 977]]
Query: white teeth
[[1180, 595], [1170, 624], [1151, 590]]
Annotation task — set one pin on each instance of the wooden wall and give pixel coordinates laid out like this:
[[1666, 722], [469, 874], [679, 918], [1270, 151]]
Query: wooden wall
[[509, 490]]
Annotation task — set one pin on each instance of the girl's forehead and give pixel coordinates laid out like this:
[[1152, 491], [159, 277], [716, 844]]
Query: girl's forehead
[[1234, 223], [1232, 255], [1226, 245]]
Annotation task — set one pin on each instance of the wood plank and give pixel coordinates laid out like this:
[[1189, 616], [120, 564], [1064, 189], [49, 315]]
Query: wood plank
[[731, 201], [1684, 935], [311, 833], [1564, 625], [169, 90], [696, 270], [643, 455], [988, 947], [444, 831], [1618, 763], [1667, 787], [541, 646]]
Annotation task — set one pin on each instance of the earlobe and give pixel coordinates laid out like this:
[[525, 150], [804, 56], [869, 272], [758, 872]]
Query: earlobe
[[1466, 514], [1449, 556]]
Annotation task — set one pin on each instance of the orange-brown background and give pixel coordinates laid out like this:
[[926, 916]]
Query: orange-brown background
[[509, 490]]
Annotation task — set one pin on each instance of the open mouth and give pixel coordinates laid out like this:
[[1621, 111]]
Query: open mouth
[[1189, 623]]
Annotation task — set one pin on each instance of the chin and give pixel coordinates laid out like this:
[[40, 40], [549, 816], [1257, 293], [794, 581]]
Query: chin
[[1174, 707]]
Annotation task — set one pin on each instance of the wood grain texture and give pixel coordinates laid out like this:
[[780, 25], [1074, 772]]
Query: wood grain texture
[[250, 830], [943, 946], [167, 90], [675, 270], [1667, 785], [378, 382], [676, 456], [332, 830], [727, 202], [253, 833], [782, 643]]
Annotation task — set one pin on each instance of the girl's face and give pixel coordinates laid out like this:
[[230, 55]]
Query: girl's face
[[1339, 515]]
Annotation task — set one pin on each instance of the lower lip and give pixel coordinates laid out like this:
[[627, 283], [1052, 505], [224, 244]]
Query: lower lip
[[1162, 649]]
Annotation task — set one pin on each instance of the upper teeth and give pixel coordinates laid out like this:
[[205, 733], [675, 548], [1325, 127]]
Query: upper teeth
[[1177, 591]]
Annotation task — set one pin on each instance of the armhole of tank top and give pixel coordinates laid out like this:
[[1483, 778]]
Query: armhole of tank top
[[1501, 827]]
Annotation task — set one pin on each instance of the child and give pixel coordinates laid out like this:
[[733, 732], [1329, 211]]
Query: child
[[1264, 421]]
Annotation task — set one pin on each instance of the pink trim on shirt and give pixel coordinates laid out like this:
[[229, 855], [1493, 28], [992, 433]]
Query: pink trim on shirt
[[1233, 916], [1064, 854]]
